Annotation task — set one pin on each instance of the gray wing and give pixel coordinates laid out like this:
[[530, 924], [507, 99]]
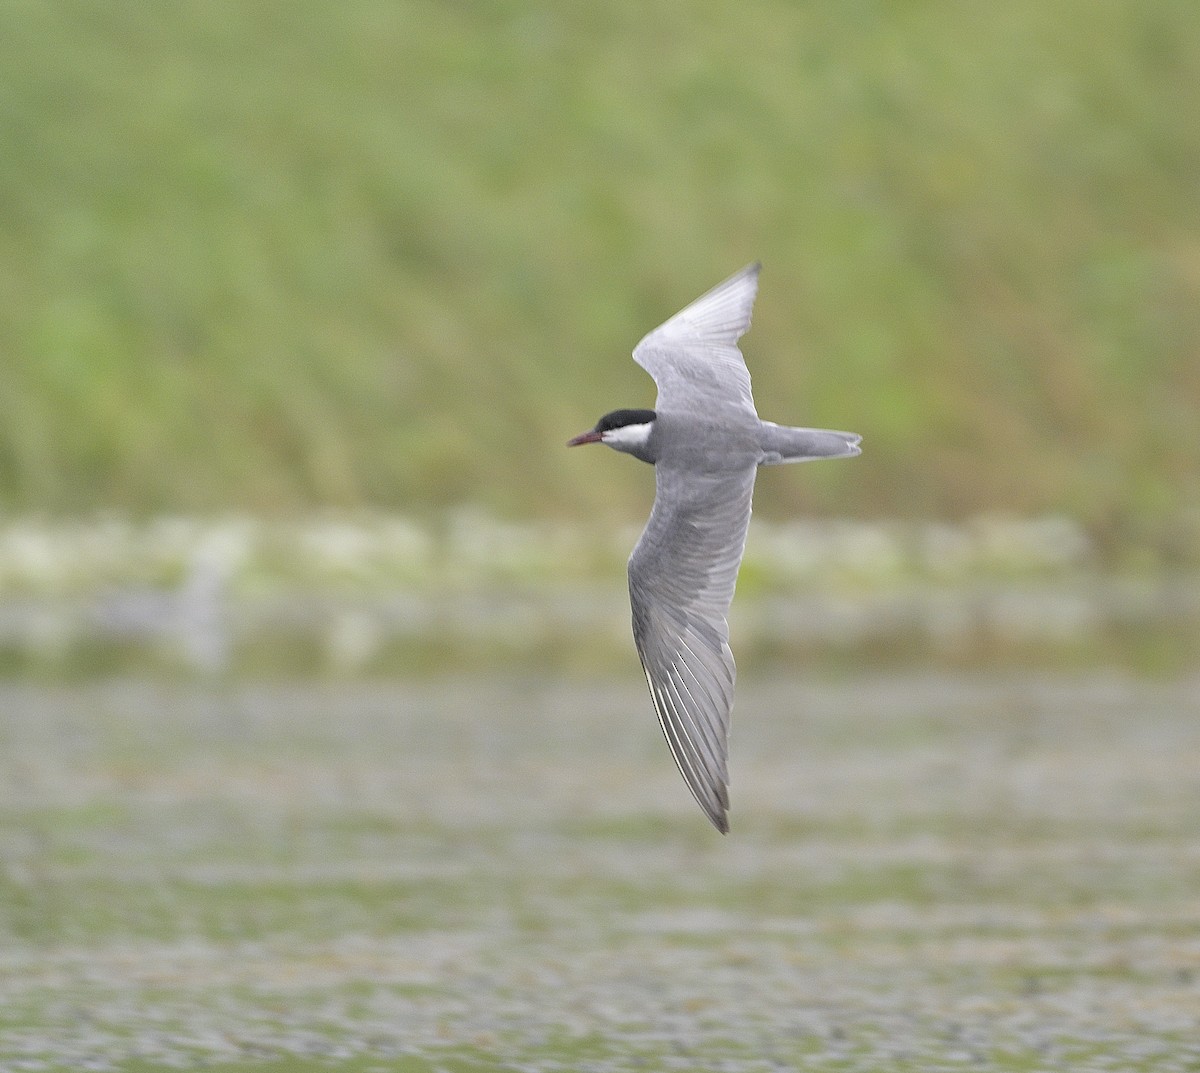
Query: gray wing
[[681, 580], [694, 358]]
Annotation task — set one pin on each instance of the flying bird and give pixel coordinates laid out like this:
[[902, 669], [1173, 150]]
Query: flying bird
[[706, 441]]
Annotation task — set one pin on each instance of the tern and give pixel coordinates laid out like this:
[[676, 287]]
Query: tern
[[706, 441]]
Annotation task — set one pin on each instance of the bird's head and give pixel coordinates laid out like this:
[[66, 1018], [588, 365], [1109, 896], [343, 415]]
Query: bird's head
[[622, 430]]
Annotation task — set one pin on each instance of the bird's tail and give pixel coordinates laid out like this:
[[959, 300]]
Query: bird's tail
[[783, 444]]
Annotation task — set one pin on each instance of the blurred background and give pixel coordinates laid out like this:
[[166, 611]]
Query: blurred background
[[322, 735], [299, 298]]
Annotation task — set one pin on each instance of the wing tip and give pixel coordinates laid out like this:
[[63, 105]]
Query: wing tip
[[720, 822], [751, 271], [717, 812], [712, 795], [721, 314]]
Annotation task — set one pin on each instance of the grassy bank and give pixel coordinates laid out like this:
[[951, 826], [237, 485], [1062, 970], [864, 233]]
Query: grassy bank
[[344, 595], [393, 254]]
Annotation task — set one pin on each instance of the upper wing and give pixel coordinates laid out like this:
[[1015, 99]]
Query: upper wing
[[694, 358], [681, 580]]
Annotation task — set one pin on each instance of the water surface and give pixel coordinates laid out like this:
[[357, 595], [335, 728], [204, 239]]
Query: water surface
[[926, 871]]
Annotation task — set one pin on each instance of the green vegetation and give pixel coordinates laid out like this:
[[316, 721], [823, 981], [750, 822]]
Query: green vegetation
[[280, 255], [386, 594]]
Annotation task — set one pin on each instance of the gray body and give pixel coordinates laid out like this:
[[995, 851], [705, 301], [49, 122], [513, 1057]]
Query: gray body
[[706, 442], [723, 443]]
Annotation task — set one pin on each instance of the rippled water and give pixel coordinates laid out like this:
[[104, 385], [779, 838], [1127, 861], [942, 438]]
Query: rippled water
[[925, 872]]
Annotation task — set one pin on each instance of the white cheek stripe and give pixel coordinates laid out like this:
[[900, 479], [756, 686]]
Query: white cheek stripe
[[628, 435]]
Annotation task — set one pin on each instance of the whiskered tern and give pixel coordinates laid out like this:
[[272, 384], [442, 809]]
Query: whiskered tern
[[706, 441]]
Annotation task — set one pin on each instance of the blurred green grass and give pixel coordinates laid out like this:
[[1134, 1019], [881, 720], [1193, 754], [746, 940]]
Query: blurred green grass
[[294, 255]]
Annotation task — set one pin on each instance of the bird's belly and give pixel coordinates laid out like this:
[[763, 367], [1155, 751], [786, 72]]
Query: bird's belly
[[691, 442]]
